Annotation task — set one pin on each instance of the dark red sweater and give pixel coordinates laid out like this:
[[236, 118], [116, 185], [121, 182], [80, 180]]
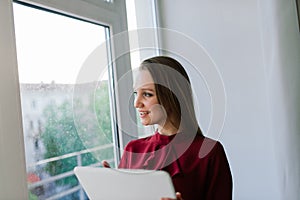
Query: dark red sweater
[[199, 170]]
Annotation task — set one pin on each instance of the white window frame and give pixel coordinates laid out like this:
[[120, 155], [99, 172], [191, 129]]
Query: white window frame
[[13, 183]]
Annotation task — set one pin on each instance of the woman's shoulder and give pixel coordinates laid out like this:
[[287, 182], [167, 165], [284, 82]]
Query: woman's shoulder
[[209, 147]]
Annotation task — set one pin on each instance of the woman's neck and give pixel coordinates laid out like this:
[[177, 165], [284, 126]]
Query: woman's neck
[[167, 130]]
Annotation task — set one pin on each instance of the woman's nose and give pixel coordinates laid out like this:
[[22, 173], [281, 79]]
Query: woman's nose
[[137, 102]]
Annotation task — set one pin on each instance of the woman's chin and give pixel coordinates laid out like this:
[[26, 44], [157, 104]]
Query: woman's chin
[[146, 123]]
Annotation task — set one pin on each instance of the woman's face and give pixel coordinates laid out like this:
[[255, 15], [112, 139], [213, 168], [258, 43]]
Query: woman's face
[[146, 102]]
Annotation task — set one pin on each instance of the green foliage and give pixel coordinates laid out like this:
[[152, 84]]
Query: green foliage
[[32, 196], [102, 110], [61, 136]]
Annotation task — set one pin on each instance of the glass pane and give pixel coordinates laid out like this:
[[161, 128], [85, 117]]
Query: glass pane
[[66, 123]]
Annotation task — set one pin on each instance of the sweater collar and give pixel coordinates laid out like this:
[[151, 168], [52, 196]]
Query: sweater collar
[[166, 139]]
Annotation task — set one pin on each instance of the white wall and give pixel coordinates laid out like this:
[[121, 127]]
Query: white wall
[[255, 45], [281, 45], [12, 167]]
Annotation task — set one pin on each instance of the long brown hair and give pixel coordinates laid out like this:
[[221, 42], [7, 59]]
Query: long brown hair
[[174, 92]]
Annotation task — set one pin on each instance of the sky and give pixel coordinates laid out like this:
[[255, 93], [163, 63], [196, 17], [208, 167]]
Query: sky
[[52, 47]]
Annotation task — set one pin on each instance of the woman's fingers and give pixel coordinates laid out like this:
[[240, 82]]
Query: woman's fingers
[[105, 164], [178, 197]]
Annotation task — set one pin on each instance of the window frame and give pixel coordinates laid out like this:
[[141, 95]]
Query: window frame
[[111, 14]]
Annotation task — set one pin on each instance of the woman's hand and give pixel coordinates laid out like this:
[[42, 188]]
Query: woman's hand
[[105, 164], [178, 197]]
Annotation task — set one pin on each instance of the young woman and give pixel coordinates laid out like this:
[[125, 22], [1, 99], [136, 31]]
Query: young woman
[[163, 97]]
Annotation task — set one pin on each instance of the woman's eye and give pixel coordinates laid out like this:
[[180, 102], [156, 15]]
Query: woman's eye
[[146, 94]]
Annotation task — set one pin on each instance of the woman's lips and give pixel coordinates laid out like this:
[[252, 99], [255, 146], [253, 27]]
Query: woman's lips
[[143, 114]]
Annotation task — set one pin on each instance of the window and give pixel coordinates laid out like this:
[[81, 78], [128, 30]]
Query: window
[[51, 50], [109, 17]]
